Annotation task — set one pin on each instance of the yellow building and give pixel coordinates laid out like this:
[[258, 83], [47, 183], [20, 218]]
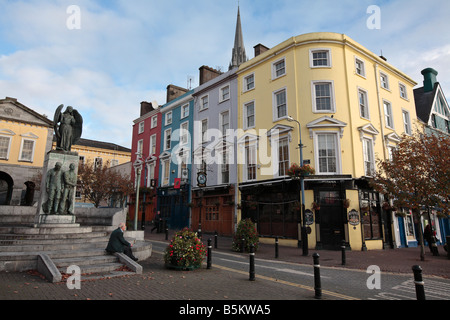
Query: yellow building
[[352, 107], [25, 138]]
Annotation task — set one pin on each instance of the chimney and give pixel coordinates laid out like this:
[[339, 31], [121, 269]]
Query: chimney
[[174, 92], [259, 48], [207, 74], [146, 107], [429, 79]]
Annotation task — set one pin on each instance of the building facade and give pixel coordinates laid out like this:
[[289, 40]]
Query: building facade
[[146, 147], [351, 107], [174, 190], [25, 138], [434, 112], [213, 206]]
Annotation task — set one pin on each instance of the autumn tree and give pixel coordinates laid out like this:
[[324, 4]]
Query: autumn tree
[[417, 176], [100, 183]]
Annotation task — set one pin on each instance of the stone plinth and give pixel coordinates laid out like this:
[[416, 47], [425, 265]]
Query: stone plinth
[[53, 220], [66, 159]]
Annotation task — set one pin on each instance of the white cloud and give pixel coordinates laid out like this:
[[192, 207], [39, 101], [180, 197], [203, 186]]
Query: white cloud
[[129, 51]]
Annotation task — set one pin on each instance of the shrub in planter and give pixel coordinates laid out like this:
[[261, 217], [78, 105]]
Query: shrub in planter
[[246, 230], [185, 251]]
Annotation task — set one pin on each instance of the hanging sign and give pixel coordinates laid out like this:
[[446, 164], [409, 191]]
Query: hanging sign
[[309, 217], [353, 217]]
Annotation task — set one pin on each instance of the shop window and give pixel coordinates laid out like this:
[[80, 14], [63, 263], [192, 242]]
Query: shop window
[[371, 215]]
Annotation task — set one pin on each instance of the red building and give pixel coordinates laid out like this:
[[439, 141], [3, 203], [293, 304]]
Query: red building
[[146, 147]]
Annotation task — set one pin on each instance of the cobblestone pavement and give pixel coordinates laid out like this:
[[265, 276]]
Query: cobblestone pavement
[[156, 283], [159, 283]]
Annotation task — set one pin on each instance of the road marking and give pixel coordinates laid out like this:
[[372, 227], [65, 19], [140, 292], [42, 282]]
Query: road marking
[[330, 293], [275, 269]]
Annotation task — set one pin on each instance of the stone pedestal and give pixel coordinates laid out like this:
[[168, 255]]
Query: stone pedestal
[[65, 158], [53, 220]]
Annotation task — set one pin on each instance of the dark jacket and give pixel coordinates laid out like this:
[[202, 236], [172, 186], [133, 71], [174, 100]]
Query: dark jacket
[[117, 242]]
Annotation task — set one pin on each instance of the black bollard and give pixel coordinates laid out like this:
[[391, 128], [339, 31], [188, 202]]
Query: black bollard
[[317, 284], [215, 240], [343, 252], [418, 281], [252, 262], [167, 233], [243, 245], [276, 247], [208, 260]]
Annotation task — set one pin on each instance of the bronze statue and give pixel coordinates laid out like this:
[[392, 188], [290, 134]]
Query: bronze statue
[[69, 179], [53, 186], [70, 127]]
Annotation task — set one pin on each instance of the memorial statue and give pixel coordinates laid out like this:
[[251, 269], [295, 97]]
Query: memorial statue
[[69, 182], [53, 186], [70, 127]]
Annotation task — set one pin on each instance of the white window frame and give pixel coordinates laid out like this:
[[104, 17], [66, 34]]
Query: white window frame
[[406, 122], [8, 150], [388, 115], [204, 102], [246, 82], [275, 105], [400, 86], [314, 98], [362, 73], [368, 156], [224, 130], [154, 122], [167, 133], [284, 139], [98, 162], [316, 50], [184, 133], [223, 95], [275, 70], [366, 103], [152, 146], [246, 116], [165, 168], [316, 135], [141, 127], [185, 111], [168, 118], [250, 152], [224, 163], [204, 130], [384, 84], [21, 155], [150, 172], [140, 146]]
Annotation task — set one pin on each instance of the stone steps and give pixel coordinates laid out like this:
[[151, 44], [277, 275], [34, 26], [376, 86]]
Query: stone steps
[[83, 246]]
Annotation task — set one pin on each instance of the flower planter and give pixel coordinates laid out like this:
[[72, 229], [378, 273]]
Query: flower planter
[[185, 252]]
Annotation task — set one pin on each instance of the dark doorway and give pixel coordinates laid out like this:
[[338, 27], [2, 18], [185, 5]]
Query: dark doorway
[[331, 222], [6, 189]]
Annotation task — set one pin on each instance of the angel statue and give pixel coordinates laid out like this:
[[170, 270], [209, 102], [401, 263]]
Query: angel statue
[[70, 127]]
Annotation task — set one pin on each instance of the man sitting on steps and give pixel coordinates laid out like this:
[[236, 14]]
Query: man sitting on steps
[[117, 242]]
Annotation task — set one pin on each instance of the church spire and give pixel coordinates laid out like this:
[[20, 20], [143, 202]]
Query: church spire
[[238, 55]]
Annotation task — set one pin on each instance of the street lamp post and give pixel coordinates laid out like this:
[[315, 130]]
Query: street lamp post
[[302, 186], [138, 168]]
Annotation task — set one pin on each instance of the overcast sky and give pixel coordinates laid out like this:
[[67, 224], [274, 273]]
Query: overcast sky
[[123, 52]]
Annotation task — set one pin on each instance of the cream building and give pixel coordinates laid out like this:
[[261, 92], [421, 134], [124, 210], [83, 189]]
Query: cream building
[[352, 107], [25, 138]]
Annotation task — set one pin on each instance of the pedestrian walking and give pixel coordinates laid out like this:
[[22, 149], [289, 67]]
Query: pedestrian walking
[[156, 222]]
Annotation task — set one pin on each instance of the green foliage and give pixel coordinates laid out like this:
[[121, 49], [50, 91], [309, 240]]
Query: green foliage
[[246, 230], [185, 250]]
